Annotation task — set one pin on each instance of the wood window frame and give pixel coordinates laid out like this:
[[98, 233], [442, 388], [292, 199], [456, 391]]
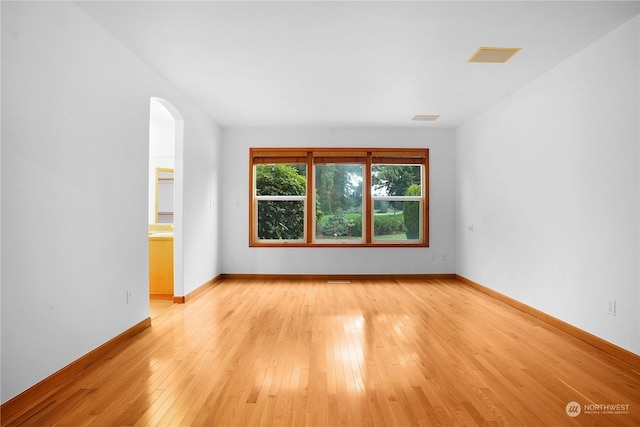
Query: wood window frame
[[312, 156]]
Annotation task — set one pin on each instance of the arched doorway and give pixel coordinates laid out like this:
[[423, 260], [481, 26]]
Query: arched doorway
[[166, 129]]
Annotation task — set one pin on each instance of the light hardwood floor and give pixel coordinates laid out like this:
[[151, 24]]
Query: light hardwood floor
[[313, 353]]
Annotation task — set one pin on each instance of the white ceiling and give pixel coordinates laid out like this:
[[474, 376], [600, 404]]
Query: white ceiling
[[357, 63]]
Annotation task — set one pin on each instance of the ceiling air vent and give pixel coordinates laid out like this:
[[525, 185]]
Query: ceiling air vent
[[426, 117], [493, 55]]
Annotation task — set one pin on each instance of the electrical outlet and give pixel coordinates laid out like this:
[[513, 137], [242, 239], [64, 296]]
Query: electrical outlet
[[434, 257], [129, 296], [611, 307]]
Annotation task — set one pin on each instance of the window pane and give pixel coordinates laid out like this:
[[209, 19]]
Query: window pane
[[394, 180], [281, 180], [338, 202], [398, 225], [281, 220]]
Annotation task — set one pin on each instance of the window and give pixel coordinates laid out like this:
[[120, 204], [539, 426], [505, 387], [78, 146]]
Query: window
[[339, 197]]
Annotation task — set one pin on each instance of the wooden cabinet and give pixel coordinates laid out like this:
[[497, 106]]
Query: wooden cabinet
[[160, 267]]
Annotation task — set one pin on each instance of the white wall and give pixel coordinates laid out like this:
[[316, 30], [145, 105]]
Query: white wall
[[75, 153], [201, 193], [550, 180], [240, 258]]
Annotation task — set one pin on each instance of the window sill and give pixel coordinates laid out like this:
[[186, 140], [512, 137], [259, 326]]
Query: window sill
[[339, 245]]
